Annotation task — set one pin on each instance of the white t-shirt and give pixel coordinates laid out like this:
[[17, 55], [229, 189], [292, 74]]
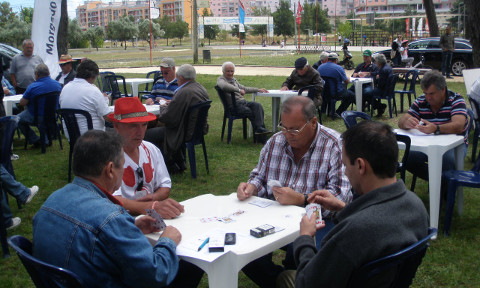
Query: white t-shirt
[[79, 94], [475, 93], [154, 173]]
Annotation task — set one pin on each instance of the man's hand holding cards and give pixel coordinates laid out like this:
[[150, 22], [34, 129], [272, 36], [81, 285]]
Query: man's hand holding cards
[[159, 223]]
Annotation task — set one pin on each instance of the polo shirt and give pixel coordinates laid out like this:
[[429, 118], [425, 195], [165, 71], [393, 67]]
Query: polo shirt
[[330, 69], [24, 69], [41, 86]]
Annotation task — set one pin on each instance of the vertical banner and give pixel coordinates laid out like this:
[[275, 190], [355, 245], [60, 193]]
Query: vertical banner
[[413, 27], [407, 22], [241, 17], [420, 28], [299, 21], [46, 20]]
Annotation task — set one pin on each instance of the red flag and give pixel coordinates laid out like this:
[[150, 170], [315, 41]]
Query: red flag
[[299, 15]]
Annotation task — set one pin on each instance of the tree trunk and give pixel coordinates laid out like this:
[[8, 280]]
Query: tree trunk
[[62, 37], [432, 17], [125, 46], [473, 34]]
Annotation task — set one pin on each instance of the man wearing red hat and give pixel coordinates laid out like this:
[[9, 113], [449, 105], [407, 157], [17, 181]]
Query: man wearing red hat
[[146, 182], [67, 74]]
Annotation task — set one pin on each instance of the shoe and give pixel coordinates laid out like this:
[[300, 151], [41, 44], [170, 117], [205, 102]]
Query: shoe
[[449, 77], [14, 157], [37, 144], [381, 110], [261, 138], [15, 222], [33, 192], [337, 115], [262, 132]]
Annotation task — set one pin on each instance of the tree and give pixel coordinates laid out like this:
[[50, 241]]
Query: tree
[[283, 20], [95, 36], [181, 29], [168, 27], [26, 14], [209, 31], [432, 17], [234, 32], [122, 29], [14, 32], [260, 29], [144, 30], [6, 14], [76, 37], [345, 29], [315, 19], [456, 22], [222, 36], [62, 36], [472, 31]]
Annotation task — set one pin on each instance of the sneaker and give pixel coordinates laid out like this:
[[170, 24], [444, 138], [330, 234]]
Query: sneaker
[[33, 192], [14, 157], [15, 222]]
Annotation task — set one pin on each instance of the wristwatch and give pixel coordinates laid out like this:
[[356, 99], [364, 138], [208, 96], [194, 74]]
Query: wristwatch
[[306, 202], [437, 132]]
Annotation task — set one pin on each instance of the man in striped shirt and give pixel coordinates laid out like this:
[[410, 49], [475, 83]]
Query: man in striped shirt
[[438, 111], [304, 157], [165, 87]]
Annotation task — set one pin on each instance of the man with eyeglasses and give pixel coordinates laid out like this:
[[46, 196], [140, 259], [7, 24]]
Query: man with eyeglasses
[[304, 157], [146, 182]]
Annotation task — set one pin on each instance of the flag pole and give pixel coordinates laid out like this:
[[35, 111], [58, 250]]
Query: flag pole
[[150, 20]]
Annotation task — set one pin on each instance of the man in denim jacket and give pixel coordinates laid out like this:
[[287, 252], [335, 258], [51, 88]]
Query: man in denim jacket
[[83, 228]]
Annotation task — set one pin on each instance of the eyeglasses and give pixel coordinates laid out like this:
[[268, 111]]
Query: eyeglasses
[[139, 172], [291, 131]]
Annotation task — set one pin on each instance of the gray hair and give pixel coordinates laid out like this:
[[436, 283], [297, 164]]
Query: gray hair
[[90, 155], [26, 41], [308, 107], [380, 59], [433, 77], [228, 63], [323, 56], [42, 70], [187, 72]]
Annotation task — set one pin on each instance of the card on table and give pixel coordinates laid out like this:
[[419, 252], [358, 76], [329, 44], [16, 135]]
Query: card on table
[[261, 203]]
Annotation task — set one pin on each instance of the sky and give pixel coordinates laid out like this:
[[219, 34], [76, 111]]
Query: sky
[[17, 5]]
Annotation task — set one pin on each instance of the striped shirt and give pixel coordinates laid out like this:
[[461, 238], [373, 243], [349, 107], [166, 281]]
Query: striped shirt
[[163, 89], [320, 168], [453, 105]]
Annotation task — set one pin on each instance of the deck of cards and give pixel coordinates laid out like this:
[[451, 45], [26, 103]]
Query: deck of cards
[[159, 223]]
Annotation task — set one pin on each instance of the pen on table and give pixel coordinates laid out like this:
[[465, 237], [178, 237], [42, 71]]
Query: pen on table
[[204, 243]]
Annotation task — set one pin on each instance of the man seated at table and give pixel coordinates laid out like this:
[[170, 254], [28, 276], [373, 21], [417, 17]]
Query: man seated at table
[[384, 218], [43, 84], [438, 111], [365, 70], [146, 182], [253, 110], [323, 59], [82, 228], [67, 74], [81, 93], [304, 75], [171, 137], [380, 80], [304, 157], [165, 87], [332, 70]]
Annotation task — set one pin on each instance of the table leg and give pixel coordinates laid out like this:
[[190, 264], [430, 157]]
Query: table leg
[[222, 272], [459, 157], [134, 90], [275, 113], [8, 108], [435, 176], [358, 96]]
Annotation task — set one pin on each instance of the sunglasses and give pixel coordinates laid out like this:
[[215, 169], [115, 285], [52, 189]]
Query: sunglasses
[[139, 172]]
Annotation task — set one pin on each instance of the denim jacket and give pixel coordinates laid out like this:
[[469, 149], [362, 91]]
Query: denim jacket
[[80, 229]]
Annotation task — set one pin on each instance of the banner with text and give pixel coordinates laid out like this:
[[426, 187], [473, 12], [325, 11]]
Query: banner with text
[[45, 24]]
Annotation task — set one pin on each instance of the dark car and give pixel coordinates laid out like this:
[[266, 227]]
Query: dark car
[[429, 48], [7, 53]]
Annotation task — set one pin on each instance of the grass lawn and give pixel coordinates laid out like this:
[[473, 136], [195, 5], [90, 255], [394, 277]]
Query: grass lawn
[[450, 262]]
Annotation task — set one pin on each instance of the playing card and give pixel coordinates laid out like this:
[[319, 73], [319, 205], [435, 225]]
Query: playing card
[[209, 219], [226, 219], [261, 203], [160, 224]]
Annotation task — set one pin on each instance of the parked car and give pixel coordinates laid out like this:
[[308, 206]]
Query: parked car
[[429, 48], [7, 53]]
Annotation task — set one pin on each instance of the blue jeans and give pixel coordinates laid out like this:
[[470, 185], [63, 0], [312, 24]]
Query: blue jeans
[[24, 120], [14, 188], [446, 62]]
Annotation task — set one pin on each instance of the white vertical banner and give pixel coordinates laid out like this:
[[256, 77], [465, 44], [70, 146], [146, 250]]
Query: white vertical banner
[[154, 12], [45, 24]]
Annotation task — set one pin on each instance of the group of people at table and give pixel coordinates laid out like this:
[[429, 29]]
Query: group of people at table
[[88, 226]]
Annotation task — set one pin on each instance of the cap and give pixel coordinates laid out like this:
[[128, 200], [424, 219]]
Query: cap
[[300, 62], [66, 58], [367, 53], [333, 55], [130, 110], [167, 63]]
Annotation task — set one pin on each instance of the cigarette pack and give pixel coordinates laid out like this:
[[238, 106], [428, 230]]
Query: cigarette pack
[[216, 243], [262, 231]]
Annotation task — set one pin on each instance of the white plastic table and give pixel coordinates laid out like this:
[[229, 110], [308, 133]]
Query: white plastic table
[[135, 82], [278, 97], [154, 109], [469, 77], [223, 267], [434, 146], [358, 82], [9, 102]]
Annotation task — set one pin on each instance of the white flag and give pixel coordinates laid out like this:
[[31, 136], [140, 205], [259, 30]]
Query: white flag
[[46, 20]]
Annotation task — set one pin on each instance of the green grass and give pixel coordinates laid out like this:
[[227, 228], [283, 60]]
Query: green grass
[[450, 262]]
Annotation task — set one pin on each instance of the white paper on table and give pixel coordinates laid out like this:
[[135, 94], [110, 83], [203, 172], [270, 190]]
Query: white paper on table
[[261, 203], [415, 132]]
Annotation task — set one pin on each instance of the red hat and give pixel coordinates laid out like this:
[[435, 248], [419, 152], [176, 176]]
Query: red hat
[[130, 110]]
